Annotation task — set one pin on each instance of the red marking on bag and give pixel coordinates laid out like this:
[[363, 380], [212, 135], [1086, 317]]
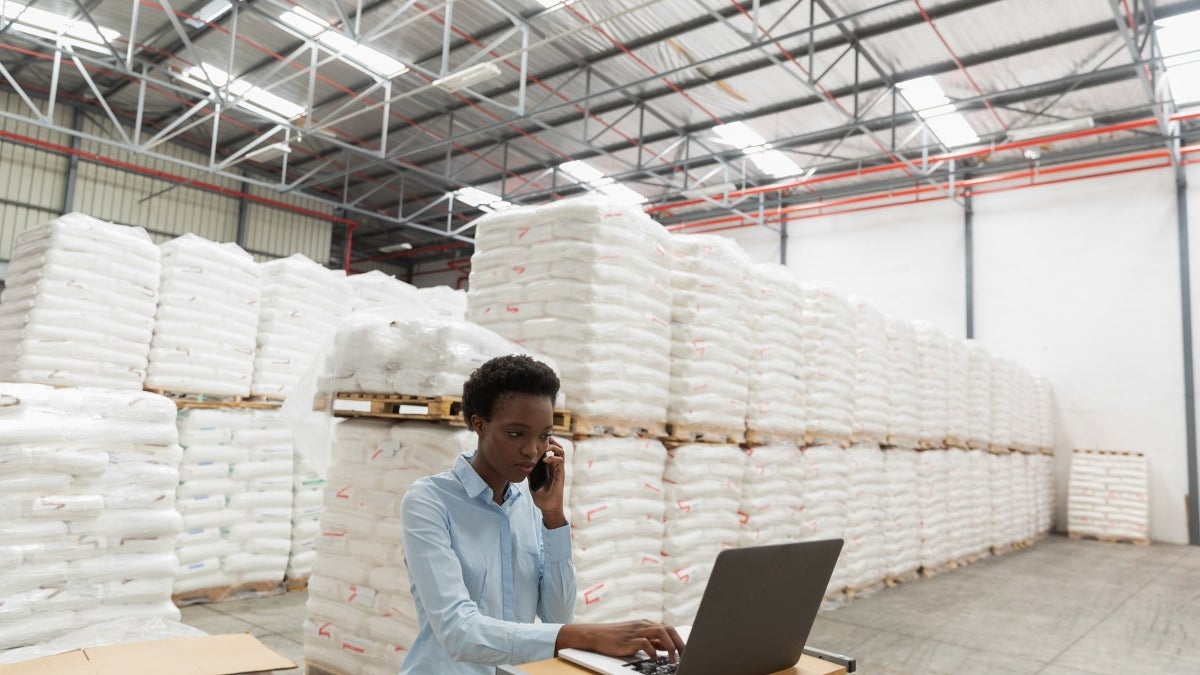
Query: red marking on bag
[[512, 309], [594, 511], [323, 631], [344, 493], [589, 596], [743, 517], [524, 231]]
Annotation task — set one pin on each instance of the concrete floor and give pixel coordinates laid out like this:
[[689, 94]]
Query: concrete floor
[[1062, 607]]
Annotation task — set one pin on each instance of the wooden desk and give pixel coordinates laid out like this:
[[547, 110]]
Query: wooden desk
[[807, 666]]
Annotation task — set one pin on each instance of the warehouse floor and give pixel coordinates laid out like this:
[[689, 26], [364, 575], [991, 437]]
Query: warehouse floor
[[1062, 607]]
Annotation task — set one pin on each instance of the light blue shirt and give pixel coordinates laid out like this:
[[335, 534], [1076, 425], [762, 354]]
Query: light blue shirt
[[480, 573]]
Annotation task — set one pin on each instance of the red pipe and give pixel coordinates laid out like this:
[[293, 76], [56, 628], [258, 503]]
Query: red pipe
[[956, 155]]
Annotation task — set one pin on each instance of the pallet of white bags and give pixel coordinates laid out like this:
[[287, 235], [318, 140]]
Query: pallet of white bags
[[208, 402], [1109, 539], [586, 425]]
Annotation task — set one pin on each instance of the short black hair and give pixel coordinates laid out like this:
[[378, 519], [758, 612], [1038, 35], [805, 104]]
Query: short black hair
[[502, 376]]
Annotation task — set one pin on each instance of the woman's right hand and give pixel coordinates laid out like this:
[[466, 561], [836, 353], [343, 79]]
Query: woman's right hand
[[622, 639]]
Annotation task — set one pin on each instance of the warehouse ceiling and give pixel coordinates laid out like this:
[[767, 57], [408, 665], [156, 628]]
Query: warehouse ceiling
[[413, 118]]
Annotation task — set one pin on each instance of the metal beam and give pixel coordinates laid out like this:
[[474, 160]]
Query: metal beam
[[969, 258], [72, 164], [1189, 382]]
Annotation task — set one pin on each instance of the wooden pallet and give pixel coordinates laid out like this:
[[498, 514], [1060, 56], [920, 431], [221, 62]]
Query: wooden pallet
[[927, 444], [584, 426], [441, 409], [812, 438], [207, 402], [227, 593], [999, 449], [954, 442], [687, 433], [1110, 540], [864, 590], [311, 668], [1121, 453], [1046, 451], [296, 585], [894, 580], [758, 437]]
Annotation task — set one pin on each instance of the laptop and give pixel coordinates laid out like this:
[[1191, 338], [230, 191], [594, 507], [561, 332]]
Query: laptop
[[754, 618]]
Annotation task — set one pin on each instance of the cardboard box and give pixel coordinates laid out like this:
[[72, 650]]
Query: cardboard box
[[232, 654]]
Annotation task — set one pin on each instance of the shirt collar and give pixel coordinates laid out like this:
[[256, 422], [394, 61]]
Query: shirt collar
[[474, 484]]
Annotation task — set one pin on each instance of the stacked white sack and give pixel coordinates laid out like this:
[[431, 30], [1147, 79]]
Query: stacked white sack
[[710, 334], [865, 552], [444, 302], [585, 281], [776, 405], [87, 517], [958, 397], [207, 320], [772, 500], [1047, 494], [78, 305], [903, 518], [1000, 487], [302, 303], [1045, 414], [825, 490], [1029, 510], [827, 345], [933, 493], [872, 410], [960, 521], [979, 502], [702, 491], [360, 613], [1002, 403], [1024, 409], [904, 388], [235, 494], [933, 350], [617, 528], [375, 289], [979, 396], [377, 353], [308, 487]]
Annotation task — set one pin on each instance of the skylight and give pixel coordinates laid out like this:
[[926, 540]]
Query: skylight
[[1177, 40], [255, 99], [585, 173], [209, 13], [927, 98], [483, 199], [757, 149], [555, 4], [320, 30], [58, 28]]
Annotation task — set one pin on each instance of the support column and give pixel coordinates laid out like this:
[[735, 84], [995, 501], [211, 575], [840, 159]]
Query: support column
[[68, 203], [783, 239], [240, 236], [1189, 386], [969, 256]]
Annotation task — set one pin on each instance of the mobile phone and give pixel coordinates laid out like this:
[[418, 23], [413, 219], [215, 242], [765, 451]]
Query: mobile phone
[[540, 475]]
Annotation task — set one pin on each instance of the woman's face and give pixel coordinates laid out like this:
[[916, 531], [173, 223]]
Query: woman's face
[[511, 443]]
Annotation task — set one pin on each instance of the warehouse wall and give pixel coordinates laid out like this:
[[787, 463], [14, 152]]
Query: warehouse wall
[[1078, 282]]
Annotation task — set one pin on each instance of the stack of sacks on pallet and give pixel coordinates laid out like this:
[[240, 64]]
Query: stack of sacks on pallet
[[825, 489], [444, 302], [302, 305], [1044, 424], [772, 503], [711, 313], [827, 344], [375, 289], [1108, 495], [963, 497], [360, 613], [616, 510], [902, 520], [904, 392], [1000, 487], [235, 494], [207, 320], [87, 518], [1002, 403], [865, 551], [933, 350], [872, 411], [78, 306], [585, 281], [776, 388], [979, 396], [979, 502], [933, 492], [958, 394], [702, 491]]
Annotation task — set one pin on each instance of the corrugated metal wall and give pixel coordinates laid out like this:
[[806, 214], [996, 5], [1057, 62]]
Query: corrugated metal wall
[[32, 182], [33, 185]]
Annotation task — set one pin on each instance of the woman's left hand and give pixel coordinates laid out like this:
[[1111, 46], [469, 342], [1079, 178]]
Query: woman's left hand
[[549, 498]]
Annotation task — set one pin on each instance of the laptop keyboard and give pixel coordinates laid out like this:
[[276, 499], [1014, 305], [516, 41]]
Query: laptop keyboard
[[656, 666]]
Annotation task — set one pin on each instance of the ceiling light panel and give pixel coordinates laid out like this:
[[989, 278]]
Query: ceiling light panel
[[1181, 51], [926, 97], [337, 42], [58, 28], [254, 98]]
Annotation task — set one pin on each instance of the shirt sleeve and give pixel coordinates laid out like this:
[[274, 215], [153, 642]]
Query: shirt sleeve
[[556, 602], [464, 632]]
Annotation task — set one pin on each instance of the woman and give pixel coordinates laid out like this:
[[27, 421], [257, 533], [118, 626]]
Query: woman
[[485, 555]]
